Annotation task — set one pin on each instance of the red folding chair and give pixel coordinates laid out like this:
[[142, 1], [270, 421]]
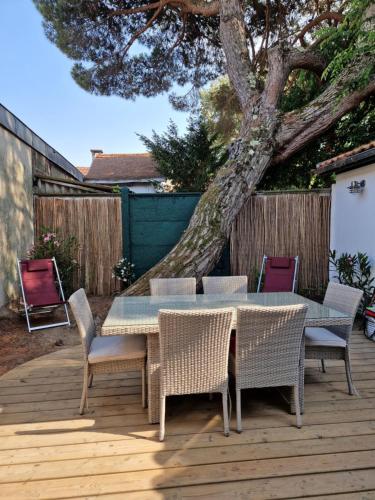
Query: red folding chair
[[41, 289], [280, 274]]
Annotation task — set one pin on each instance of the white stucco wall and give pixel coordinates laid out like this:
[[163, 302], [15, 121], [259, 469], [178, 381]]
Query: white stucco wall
[[353, 215]]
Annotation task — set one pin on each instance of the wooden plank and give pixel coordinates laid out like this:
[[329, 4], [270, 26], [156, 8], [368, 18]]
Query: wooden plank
[[187, 476], [46, 448], [113, 443], [120, 461], [74, 392], [283, 488]]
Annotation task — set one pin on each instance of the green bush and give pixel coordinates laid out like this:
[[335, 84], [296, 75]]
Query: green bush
[[355, 271], [51, 244]]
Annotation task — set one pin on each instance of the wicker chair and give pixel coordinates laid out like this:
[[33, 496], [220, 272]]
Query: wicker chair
[[194, 348], [173, 286], [225, 284], [268, 350], [333, 342], [111, 354]]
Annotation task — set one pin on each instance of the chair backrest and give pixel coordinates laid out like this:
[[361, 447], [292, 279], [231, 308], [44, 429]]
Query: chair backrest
[[280, 274], [268, 344], [194, 347], [224, 284], [173, 286], [38, 282], [345, 299], [83, 316]]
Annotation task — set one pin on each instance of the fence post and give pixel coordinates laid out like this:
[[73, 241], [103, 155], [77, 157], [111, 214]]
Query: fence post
[[125, 211]]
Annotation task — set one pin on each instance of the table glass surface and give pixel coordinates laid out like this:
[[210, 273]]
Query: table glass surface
[[136, 311]]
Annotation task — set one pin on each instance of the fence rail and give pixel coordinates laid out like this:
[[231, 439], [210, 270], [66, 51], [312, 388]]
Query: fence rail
[[96, 223], [284, 224]]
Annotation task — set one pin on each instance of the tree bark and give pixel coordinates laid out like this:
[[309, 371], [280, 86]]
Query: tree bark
[[266, 137]]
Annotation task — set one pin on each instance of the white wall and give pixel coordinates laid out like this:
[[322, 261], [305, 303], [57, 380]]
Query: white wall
[[142, 187], [353, 215]]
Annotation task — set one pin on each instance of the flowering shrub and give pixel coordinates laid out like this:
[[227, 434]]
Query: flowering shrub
[[124, 271], [355, 271], [50, 244]]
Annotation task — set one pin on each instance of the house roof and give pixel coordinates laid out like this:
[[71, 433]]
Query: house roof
[[83, 170], [122, 167], [350, 160]]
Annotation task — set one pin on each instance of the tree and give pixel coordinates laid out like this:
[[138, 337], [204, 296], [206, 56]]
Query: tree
[[190, 161], [222, 113], [143, 47]]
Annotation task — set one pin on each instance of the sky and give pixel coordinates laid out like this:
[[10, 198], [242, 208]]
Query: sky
[[35, 85]]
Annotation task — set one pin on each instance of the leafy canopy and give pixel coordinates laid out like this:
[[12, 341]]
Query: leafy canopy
[[145, 47], [189, 161]]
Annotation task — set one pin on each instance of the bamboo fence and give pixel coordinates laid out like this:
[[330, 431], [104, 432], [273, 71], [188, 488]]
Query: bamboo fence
[[96, 223], [284, 224], [280, 224]]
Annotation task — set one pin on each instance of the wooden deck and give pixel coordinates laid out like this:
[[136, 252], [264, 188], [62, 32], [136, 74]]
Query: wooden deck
[[48, 451]]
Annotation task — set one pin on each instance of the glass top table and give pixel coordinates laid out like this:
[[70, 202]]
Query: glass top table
[[140, 314]]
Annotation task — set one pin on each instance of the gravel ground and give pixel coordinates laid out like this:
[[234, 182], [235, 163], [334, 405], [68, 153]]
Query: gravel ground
[[17, 345]]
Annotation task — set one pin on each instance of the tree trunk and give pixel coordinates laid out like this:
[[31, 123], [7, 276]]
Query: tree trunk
[[201, 244], [266, 138]]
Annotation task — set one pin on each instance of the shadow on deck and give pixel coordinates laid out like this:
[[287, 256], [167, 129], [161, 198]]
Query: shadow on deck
[[47, 450]]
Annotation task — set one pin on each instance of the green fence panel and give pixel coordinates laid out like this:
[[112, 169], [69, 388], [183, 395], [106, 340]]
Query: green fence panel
[[152, 225]]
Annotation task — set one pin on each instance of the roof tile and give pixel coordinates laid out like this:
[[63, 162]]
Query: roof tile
[[347, 154], [122, 167]]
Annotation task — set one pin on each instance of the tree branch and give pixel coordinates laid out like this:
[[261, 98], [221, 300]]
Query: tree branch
[[234, 41], [307, 59], [298, 129], [195, 7], [281, 61], [138, 33], [336, 16]]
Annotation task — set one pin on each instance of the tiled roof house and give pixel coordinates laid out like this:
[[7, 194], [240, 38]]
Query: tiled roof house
[[138, 172]]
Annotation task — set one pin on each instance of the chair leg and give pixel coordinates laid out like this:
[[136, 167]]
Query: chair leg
[[91, 380], [144, 391], [225, 413], [297, 406], [238, 410], [348, 369], [162, 419], [323, 366], [84, 402]]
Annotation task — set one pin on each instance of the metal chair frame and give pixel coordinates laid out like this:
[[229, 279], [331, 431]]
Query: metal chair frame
[[43, 309], [295, 276]]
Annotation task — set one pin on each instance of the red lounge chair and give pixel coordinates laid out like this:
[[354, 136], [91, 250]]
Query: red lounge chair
[[41, 289], [280, 274]]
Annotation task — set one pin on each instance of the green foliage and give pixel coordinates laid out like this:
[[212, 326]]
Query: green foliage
[[221, 110], [173, 51], [189, 161], [50, 244], [354, 129], [350, 40], [177, 48], [123, 270], [355, 271]]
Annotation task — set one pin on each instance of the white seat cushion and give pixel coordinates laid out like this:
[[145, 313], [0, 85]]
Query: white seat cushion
[[315, 336], [117, 348]]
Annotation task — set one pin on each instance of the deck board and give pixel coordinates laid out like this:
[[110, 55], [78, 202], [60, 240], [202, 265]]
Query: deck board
[[47, 450]]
